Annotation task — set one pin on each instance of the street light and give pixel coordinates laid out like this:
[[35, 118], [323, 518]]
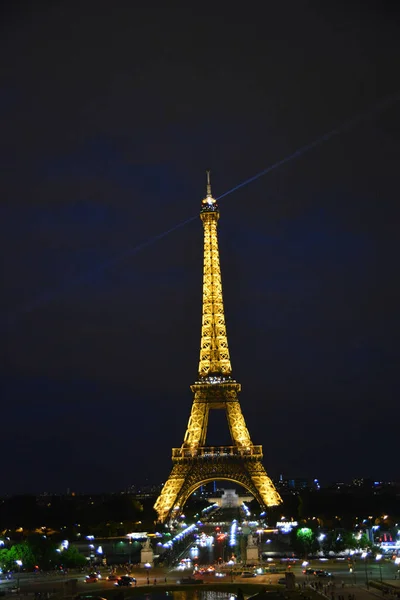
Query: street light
[[364, 556], [231, 563], [19, 563], [378, 558], [147, 566], [91, 555]]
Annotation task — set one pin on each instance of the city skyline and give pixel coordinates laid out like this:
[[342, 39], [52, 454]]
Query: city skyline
[[105, 142], [286, 484]]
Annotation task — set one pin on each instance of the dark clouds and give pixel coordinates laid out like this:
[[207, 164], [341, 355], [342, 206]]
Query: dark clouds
[[109, 117]]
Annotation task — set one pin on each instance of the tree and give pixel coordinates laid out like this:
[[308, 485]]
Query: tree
[[72, 558], [24, 553], [350, 541], [44, 551], [4, 559], [363, 542], [305, 540], [345, 540]]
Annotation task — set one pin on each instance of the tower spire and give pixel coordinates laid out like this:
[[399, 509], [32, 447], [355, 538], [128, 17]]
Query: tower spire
[[209, 203], [209, 194]]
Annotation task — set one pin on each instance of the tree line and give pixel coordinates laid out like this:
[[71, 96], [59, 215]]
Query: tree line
[[115, 514], [39, 553]]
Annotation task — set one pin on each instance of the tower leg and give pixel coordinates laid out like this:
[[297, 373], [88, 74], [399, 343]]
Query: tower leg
[[237, 425], [197, 427], [263, 483], [167, 500]]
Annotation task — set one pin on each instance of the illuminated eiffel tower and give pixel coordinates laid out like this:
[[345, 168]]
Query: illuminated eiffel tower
[[194, 463]]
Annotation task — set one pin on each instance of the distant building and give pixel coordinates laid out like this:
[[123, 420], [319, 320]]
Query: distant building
[[296, 484], [230, 499]]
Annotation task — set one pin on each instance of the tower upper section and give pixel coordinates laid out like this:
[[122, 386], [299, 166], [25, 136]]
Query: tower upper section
[[214, 352]]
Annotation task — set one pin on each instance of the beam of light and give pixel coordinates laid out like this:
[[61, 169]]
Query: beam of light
[[50, 295], [388, 101]]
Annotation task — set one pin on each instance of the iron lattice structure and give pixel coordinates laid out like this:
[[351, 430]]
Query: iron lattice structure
[[195, 464]]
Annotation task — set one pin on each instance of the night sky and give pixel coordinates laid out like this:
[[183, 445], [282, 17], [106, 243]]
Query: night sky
[[110, 114]]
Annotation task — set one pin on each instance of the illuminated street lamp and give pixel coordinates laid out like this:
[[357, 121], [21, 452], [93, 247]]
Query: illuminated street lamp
[[260, 532], [230, 564], [378, 559], [364, 556], [19, 563], [91, 554], [147, 566]]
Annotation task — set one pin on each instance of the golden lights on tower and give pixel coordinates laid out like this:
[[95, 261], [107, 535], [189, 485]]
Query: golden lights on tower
[[195, 464]]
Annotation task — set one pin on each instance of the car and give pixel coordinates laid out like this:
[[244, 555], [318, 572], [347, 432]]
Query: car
[[309, 571], [112, 577], [248, 574], [190, 580], [92, 578], [125, 580], [321, 573], [88, 597]]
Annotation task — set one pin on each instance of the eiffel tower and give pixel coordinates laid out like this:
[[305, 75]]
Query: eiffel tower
[[194, 463]]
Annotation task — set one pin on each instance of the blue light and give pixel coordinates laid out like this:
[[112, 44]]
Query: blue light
[[232, 534]]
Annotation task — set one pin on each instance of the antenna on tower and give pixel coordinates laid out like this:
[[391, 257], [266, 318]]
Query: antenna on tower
[[209, 194]]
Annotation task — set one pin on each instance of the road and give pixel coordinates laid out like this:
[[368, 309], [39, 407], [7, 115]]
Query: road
[[350, 590], [360, 573], [29, 582]]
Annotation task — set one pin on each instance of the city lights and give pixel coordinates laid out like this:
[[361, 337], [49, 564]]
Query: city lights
[[180, 536], [232, 534]]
